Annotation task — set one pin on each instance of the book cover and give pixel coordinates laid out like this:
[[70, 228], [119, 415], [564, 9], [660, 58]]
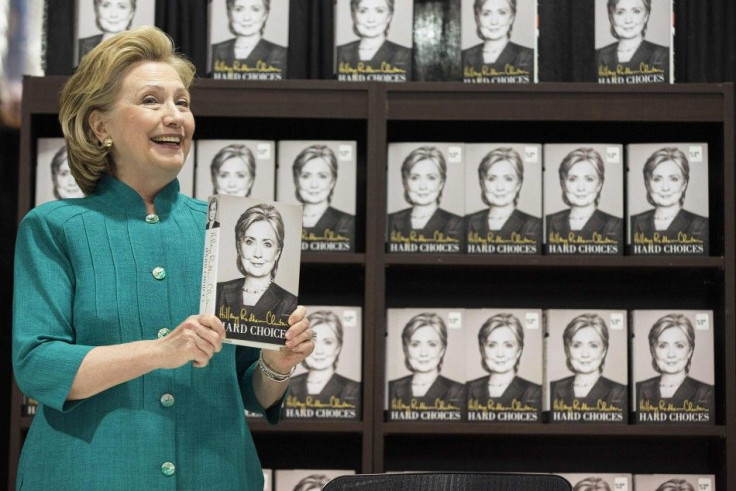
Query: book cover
[[503, 198], [675, 482], [430, 179], [504, 365], [583, 199], [672, 355], [425, 365], [499, 41], [248, 39], [186, 174], [54, 180], [597, 481], [305, 479], [667, 199], [373, 40], [327, 384], [96, 21], [250, 275], [634, 42], [267, 479], [586, 364], [236, 167], [321, 176]]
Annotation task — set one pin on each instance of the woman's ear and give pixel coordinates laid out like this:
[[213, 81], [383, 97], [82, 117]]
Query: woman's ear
[[98, 125]]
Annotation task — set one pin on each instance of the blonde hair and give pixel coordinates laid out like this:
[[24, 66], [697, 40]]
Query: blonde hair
[[95, 86]]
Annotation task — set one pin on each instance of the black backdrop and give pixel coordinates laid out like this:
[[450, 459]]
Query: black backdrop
[[705, 51]]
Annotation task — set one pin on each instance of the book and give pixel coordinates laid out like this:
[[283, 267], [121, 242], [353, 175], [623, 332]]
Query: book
[[248, 40], [673, 372], [504, 365], [267, 479], [305, 479], [666, 482], [237, 167], [54, 180], [503, 198], [499, 41], [425, 365], [373, 41], [96, 21], [634, 42], [321, 176], [186, 174], [667, 211], [327, 384], [250, 274], [29, 406], [583, 199], [586, 360], [429, 178], [599, 481]]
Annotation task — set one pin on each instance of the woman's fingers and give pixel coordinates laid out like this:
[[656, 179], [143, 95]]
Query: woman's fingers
[[196, 339]]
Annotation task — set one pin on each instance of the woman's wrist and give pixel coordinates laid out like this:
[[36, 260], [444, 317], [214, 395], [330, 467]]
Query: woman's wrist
[[274, 373]]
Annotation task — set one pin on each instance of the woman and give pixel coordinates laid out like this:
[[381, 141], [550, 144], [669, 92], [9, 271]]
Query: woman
[[212, 215], [581, 179], [371, 21], [423, 174], [64, 184], [592, 484], [248, 49], [672, 343], [233, 170], [111, 17], [315, 173], [123, 372], [424, 340], [259, 241], [675, 485], [501, 342], [500, 175], [629, 19], [322, 382], [313, 482], [666, 177], [586, 346], [496, 55]]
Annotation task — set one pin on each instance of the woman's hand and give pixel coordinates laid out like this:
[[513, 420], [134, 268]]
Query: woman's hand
[[299, 344], [196, 339]]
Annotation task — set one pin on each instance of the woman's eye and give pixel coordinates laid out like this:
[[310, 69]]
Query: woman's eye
[[149, 99], [248, 242], [182, 103]]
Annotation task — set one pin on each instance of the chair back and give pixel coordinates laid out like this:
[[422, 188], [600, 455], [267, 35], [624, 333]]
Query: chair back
[[449, 481]]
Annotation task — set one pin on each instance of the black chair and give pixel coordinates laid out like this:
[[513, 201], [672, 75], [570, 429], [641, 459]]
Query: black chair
[[449, 481]]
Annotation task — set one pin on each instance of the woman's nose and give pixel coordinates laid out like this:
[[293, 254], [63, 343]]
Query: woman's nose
[[172, 115]]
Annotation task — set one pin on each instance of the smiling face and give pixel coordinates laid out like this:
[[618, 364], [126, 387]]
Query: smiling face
[[114, 16], [326, 348], [315, 181], [424, 183], [372, 18], [667, 184], [212, 210], [150, 124], [582, 185], [247, 17], [586, 351], [501, 184], [259, 250], [495, 19], [629, 19], [425, 350], [672, 351], [501, 350], [233, 178], [64, 183]]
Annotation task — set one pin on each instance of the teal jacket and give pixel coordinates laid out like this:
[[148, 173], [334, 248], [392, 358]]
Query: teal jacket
[[83, 278]]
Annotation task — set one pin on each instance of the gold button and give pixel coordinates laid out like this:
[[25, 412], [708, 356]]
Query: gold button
[[163, 332], [168, 469], [159, 273], [152, 218]]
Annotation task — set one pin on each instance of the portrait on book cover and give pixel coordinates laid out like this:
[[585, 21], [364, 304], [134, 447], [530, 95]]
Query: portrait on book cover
[[249, 39], [499, 41], [675, 482], [305, 479], [373, 40], [98, 20], [587, 365], [583, 199], [668, 198], [598, 481], [54, 179], [673, 366], [503, 199], [236, 167], [633, 41]]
